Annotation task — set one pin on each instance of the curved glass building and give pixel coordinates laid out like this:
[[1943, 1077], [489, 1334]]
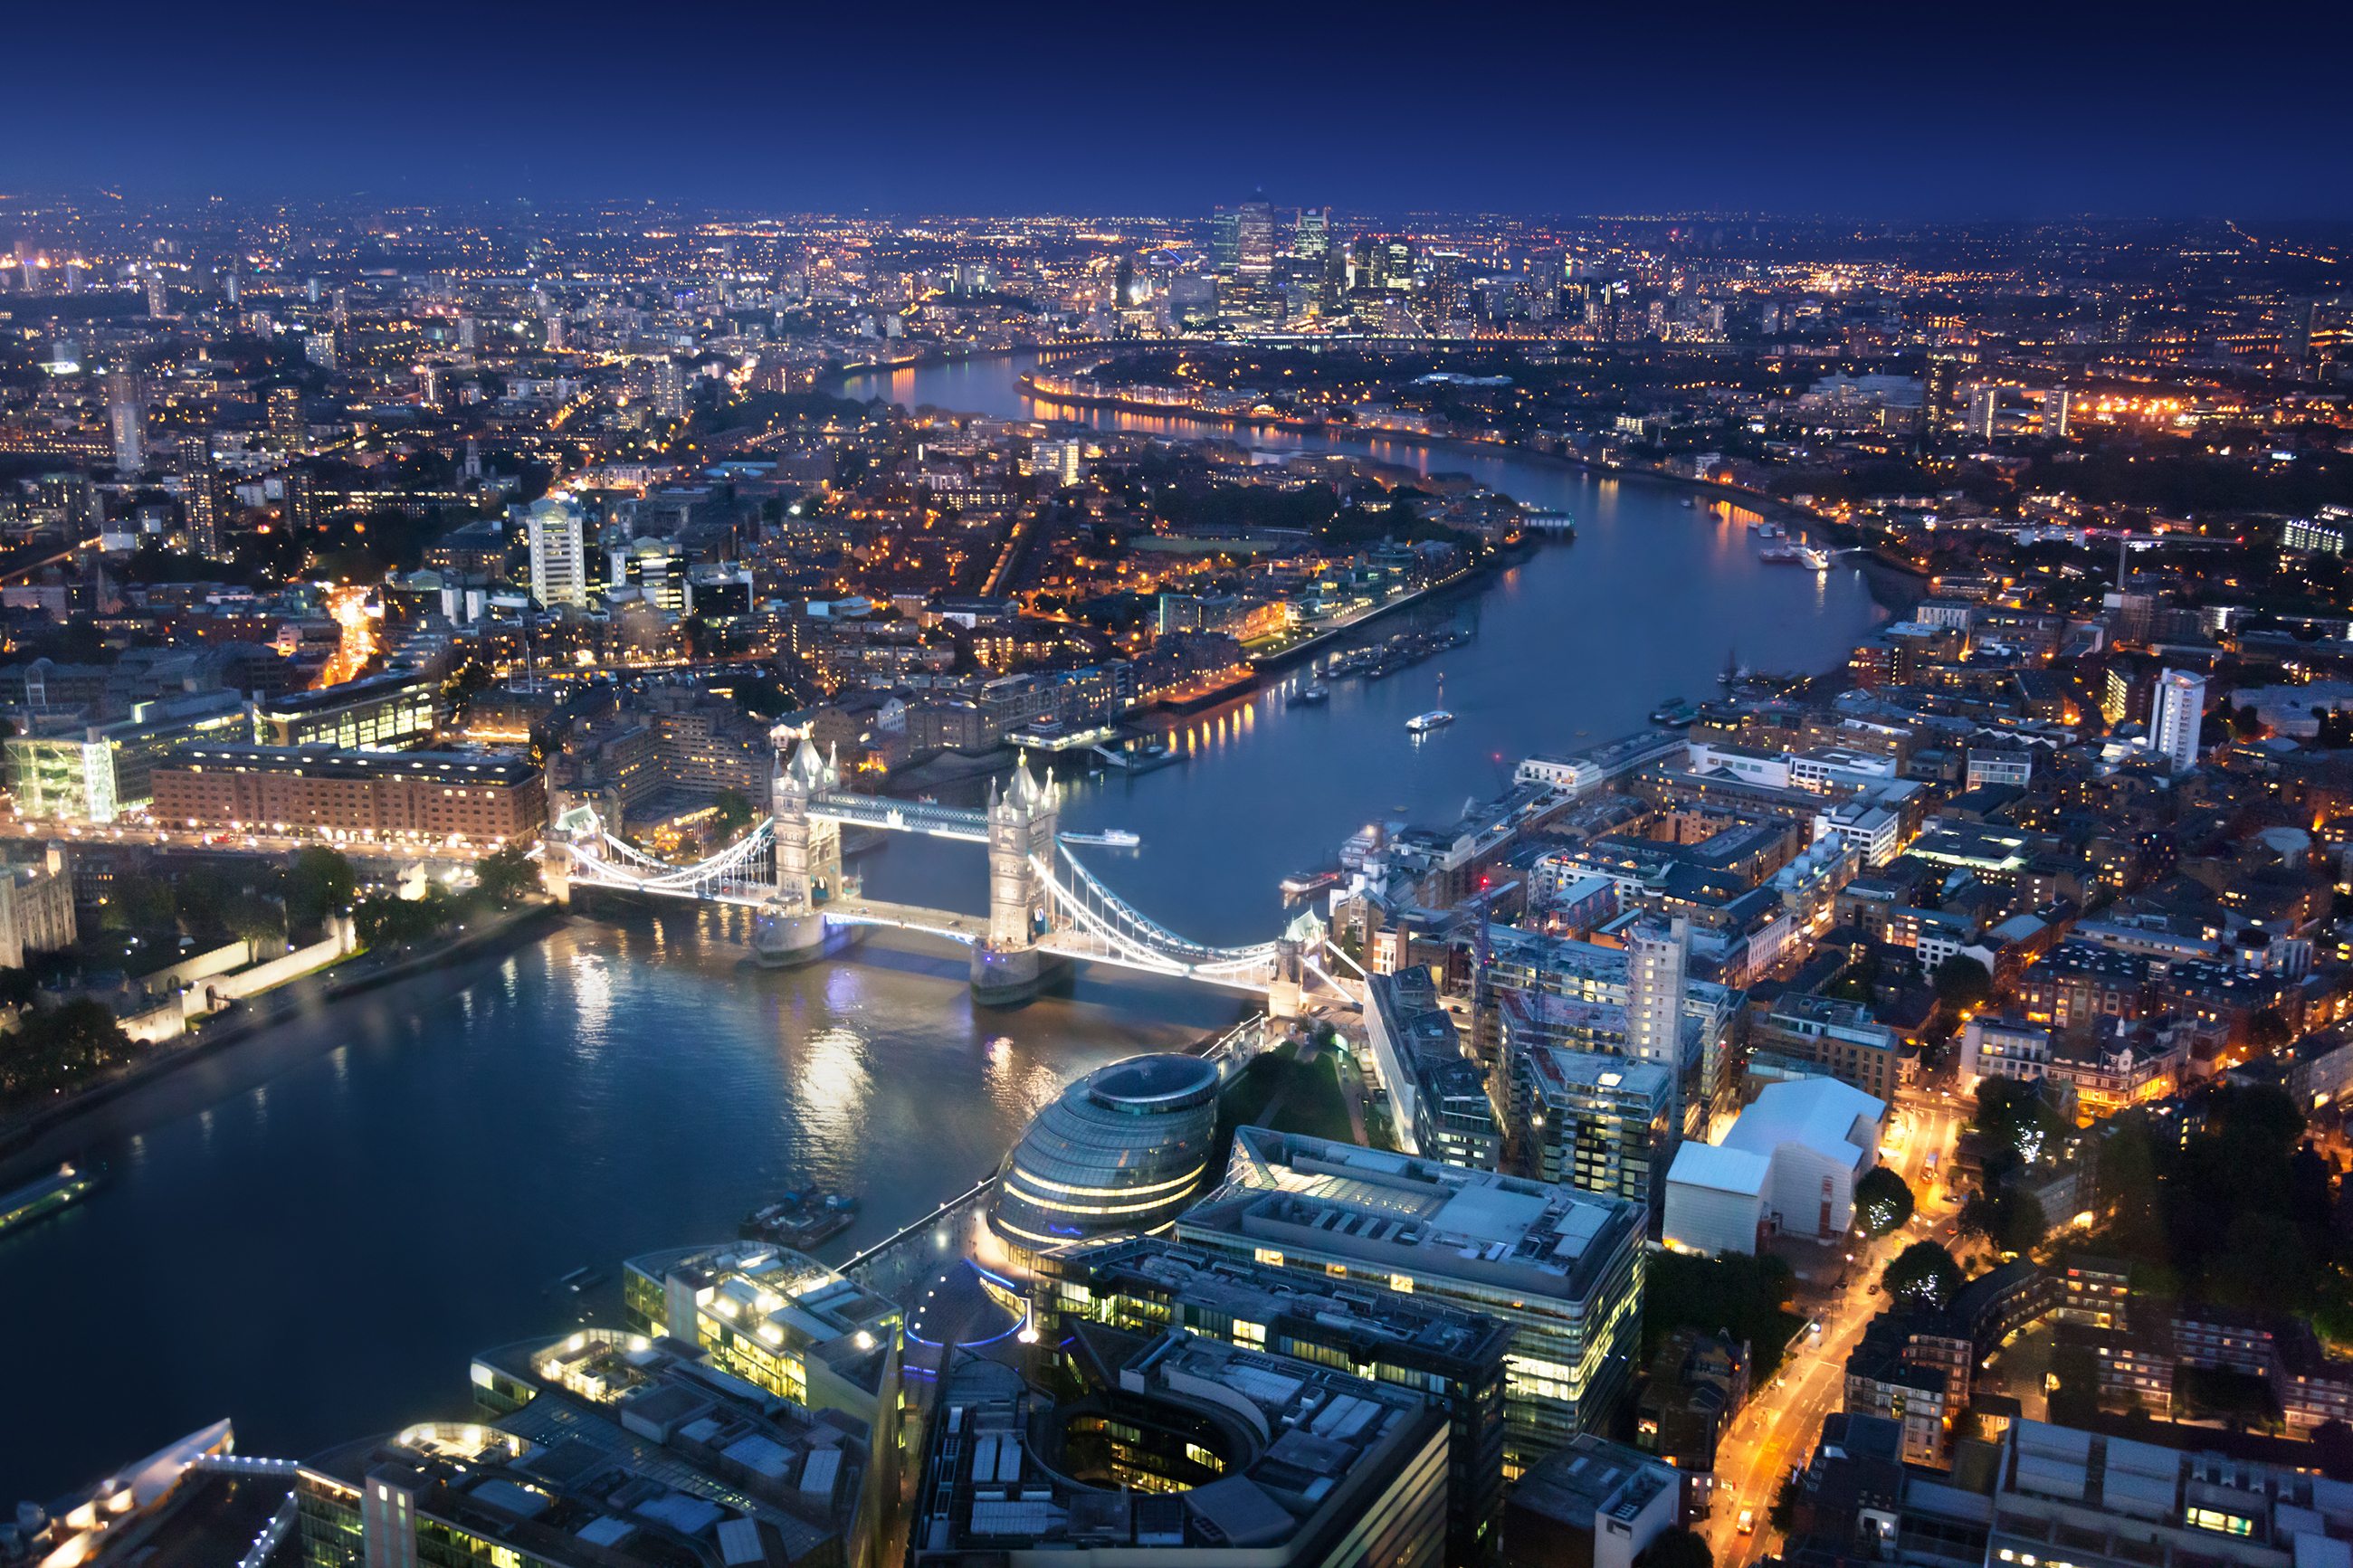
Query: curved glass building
[[1125, 1148]]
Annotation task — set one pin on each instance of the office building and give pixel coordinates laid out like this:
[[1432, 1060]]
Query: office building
[[597, 1449], [2178, 711], [158, 295], [391, 711], [319, 348], [1225, 246], [1312, 235], [1563, 1267], [557, 529], [1123, 1150], [1059, 462], [96, 772], [1141, 1285], [1788, 1165], [1181, 1449], [452, 796], [777, 1319], [1254, 240], [1803, 1037], [1593, 1504], [288, 434]]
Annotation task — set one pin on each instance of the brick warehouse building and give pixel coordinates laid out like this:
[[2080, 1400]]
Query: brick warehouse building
[[431, 796]]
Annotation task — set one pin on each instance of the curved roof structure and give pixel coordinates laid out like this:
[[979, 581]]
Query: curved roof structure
[[1124, 1148]]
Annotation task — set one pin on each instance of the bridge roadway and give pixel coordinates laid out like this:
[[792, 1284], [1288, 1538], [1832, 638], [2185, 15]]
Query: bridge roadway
[[906, 917]]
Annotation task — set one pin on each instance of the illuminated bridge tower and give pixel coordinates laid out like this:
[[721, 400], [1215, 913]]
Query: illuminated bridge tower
[[1022, 820], [790, 930]]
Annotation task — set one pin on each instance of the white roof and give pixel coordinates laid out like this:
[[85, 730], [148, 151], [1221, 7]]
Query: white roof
[[1725, 1169], [1818, 1112]]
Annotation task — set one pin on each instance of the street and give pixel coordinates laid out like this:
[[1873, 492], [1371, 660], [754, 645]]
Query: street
[[84, 834], [1783, 1419]]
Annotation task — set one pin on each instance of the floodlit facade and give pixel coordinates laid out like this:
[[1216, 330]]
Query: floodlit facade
[[1789, 1166]]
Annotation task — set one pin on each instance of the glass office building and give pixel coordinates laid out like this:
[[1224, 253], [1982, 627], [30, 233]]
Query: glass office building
[[1124, 1148]]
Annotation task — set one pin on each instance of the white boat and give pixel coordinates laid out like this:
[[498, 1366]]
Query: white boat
[[1116, 837], [1820, 560], [1436, 719]]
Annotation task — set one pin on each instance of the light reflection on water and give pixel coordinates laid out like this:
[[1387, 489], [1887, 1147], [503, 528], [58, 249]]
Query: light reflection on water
[[436, 1152]]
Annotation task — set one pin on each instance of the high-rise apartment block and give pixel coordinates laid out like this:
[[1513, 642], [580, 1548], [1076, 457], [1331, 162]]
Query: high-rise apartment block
[[288, 434], [558, 552], [2180, 710]]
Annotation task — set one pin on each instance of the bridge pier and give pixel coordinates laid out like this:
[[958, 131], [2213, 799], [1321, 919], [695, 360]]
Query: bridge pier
[[784, 938]]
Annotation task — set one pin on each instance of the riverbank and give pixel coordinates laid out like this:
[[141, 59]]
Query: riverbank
[[38, 1132]]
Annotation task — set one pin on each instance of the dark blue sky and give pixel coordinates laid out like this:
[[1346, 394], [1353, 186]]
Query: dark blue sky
[[1876, 111]]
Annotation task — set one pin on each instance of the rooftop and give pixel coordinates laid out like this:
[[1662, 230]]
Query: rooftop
[[1419, 1216]]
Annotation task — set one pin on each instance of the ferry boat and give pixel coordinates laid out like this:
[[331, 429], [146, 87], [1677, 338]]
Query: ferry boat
[[1782, 556], [1436, 719], [1309, 696], [1689, 504], [801, 1219], [1117, 837], [584, 1278], [1820, 560], [38, 1200], [1303, 884], [1674, 714]]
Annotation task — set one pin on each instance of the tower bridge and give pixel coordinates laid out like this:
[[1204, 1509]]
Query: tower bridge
[[1045, 908]]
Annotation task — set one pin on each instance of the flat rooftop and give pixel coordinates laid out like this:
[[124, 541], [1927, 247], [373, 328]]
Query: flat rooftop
[[327, 762], [1416, 1217]]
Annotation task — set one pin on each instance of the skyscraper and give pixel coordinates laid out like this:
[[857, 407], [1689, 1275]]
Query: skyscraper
[[2180, 710], [558, 571], [1254, 239], [287, 432], [129, 423], [1223, 244], [319, 348], [1656, 957], [1312, 236], [158, 297], [1938, 387], [126, 413], [670, 389], [200, 488]]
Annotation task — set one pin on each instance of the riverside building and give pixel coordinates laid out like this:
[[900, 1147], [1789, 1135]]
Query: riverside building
[[771, 1317], [600, 1449], [1564, 1267], [1123, 1150], [443, 796], [1142, 1285]]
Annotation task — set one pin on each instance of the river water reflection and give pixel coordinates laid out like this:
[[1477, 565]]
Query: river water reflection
[[313, 1233]]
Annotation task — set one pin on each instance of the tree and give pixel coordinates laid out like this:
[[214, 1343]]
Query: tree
[[1883, 1199], [59, 1047], [321, 883], [1783, 1511], [254, 918], [734, 810], [1923, 1275], [2077, 1372], [506, 874], [2268, 1031], [1962, 982], [2010, 1221], [1679, 1548]]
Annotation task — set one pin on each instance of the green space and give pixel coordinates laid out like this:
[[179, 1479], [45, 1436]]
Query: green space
[[1747, 1296], [1280, 1092]]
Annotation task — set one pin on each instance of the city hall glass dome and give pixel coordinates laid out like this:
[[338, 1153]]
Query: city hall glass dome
[[1124, 1148]]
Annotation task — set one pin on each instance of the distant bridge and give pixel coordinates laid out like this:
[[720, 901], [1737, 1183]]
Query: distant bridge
[[1045, 905]]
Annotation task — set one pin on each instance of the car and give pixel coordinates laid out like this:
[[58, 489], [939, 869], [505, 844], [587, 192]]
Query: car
[[1747, 1522]]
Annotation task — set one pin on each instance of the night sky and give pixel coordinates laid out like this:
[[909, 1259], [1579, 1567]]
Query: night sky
[[1884, 111]]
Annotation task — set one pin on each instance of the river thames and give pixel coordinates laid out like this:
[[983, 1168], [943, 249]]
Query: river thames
[[312, 1233]]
